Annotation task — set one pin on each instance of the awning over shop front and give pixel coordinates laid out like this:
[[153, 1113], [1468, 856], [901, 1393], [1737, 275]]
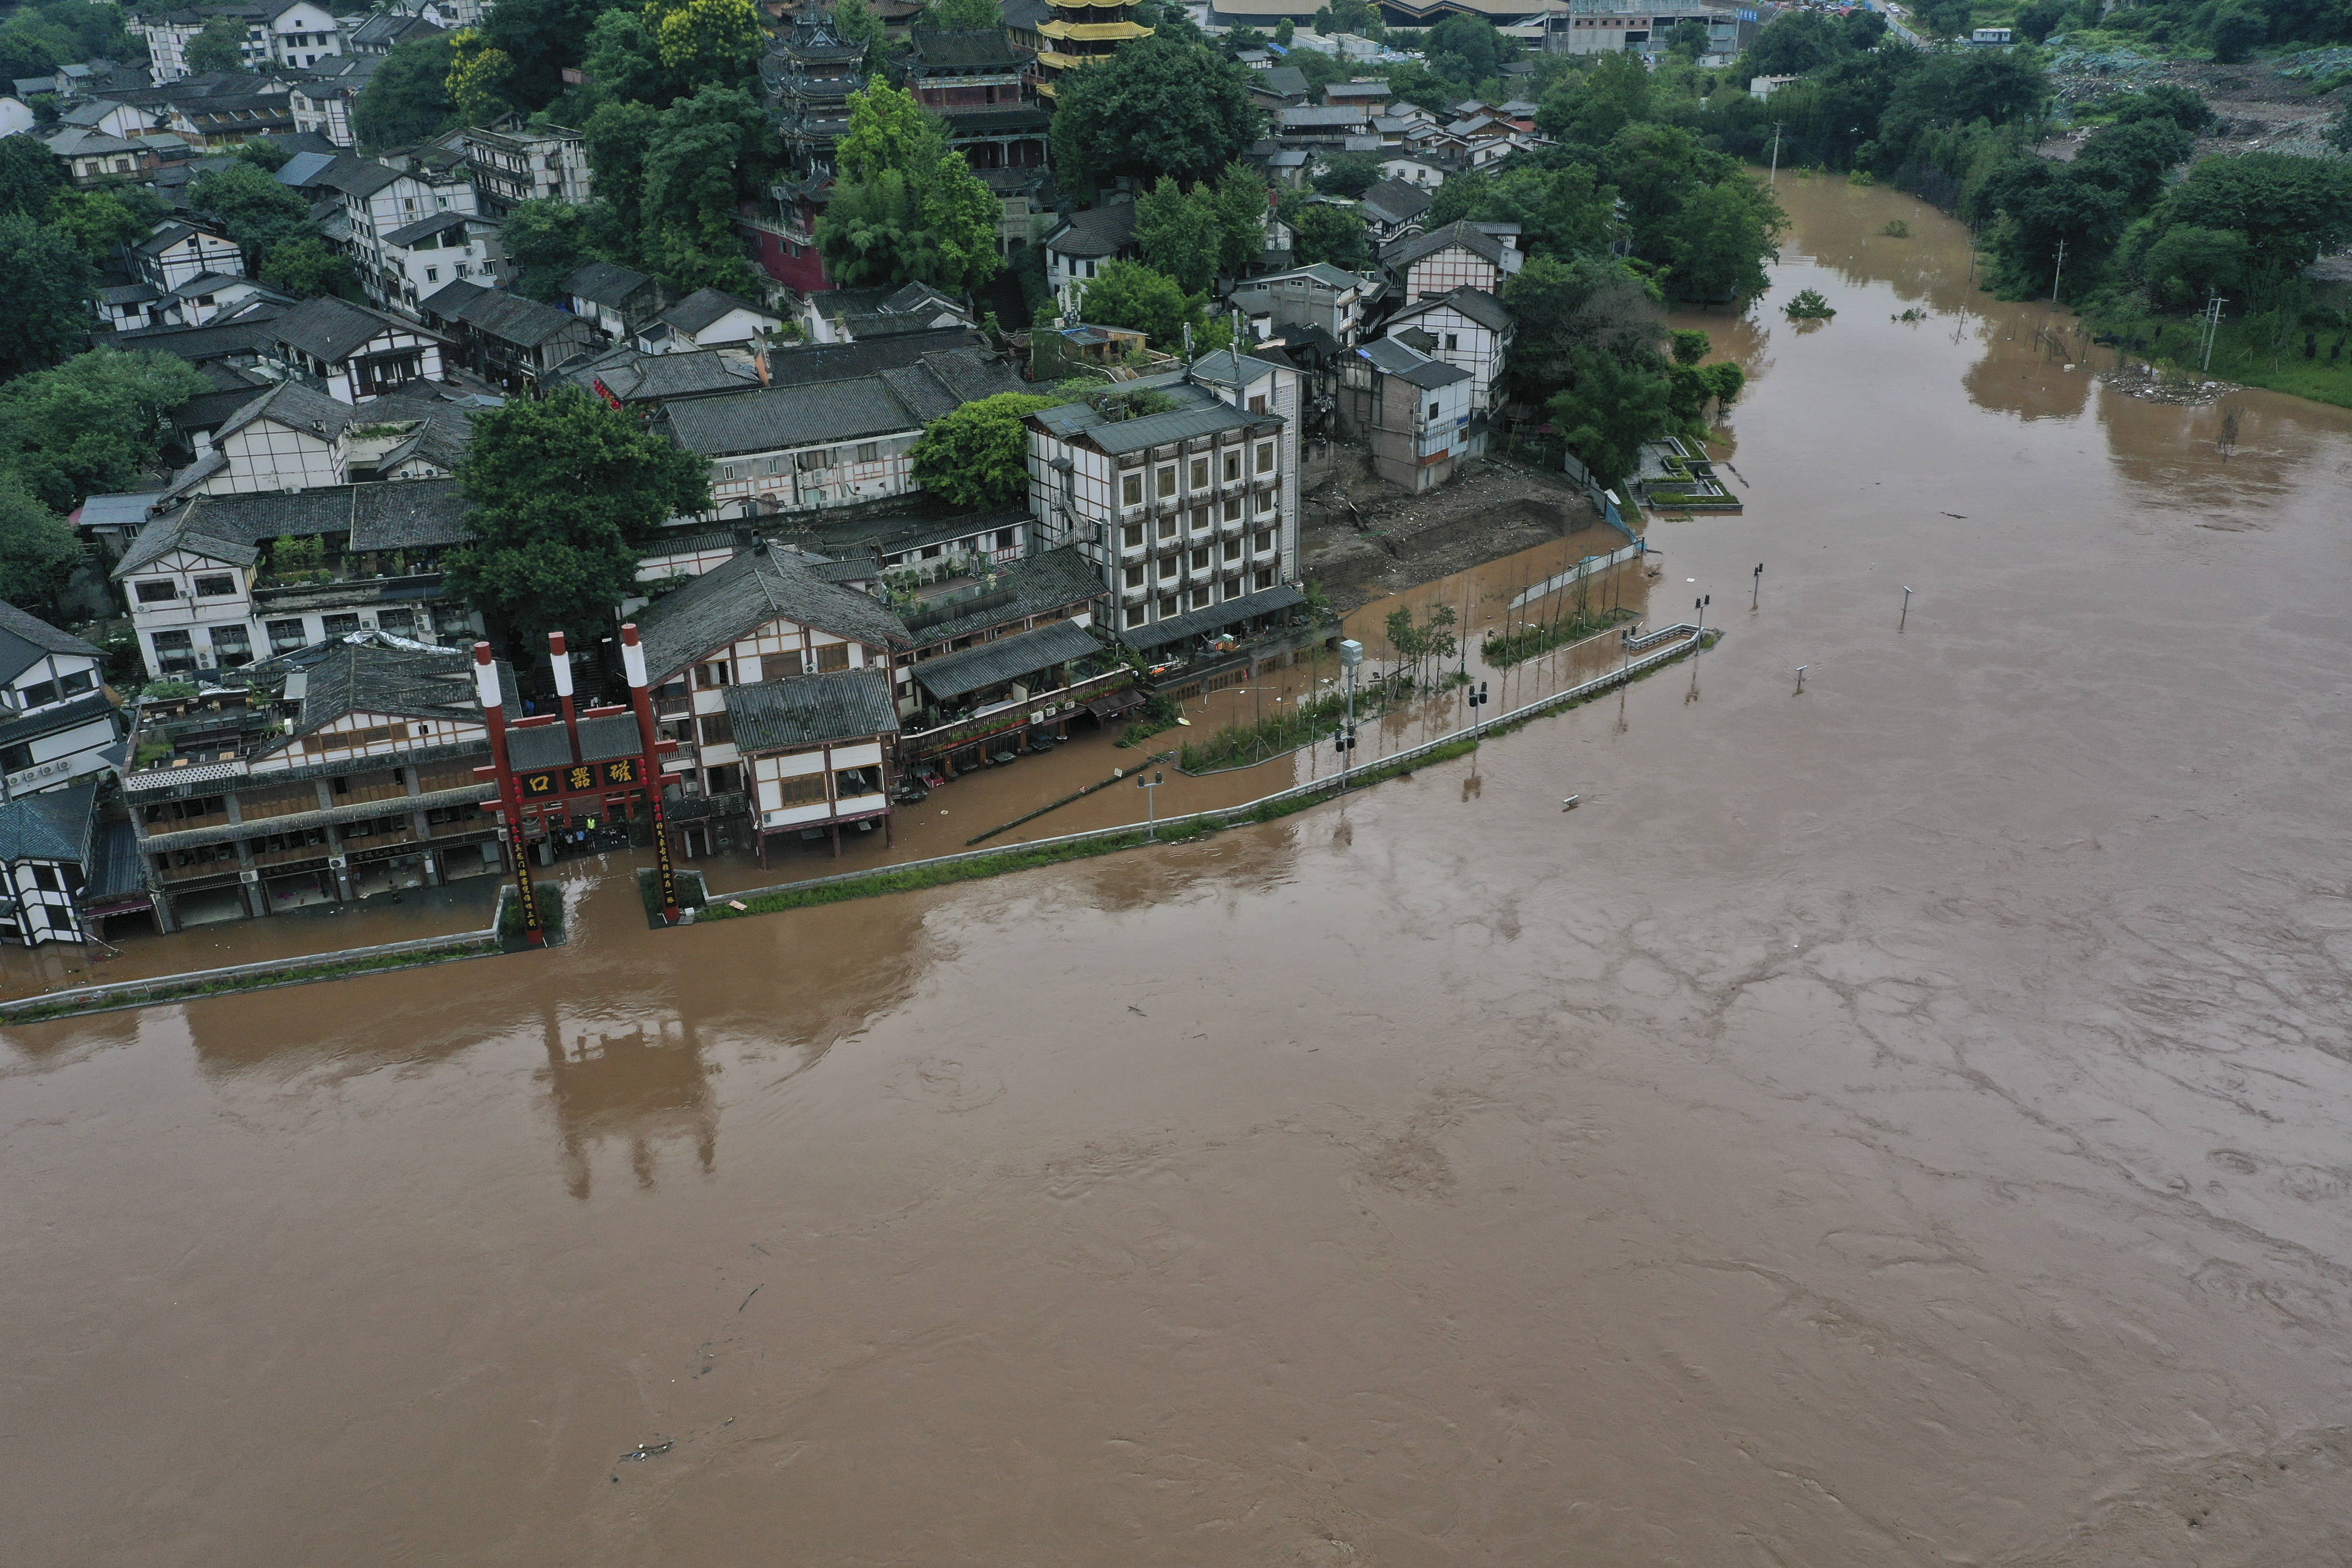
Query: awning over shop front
[[1106, 709], [953, 675], [1216, 618]]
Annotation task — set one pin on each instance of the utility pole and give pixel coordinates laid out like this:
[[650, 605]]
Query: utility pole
[[1775, 177], [1756, 587], [2211, 327], [1151, 803], [2055, 278], [1351, 655]]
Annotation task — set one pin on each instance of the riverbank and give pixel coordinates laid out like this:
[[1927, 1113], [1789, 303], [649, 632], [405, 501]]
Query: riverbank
[[2314, 361]]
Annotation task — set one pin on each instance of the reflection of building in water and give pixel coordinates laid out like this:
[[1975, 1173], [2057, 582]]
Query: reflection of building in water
[[648, 1086]]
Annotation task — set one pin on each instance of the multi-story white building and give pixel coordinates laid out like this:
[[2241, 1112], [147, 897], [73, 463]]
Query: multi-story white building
[[1458, 255], [379, 200], [222, 580], [512, 163], [302, 34], [324, 103], [1324, 295], [1191, 514], [177, 253], [817, 444], [56, 723], [1412, 410], [419, 258], [1464, 328]]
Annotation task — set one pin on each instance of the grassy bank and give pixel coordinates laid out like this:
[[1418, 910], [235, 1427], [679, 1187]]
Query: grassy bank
[[2304, 361], [1543, 636], [1030, 857]]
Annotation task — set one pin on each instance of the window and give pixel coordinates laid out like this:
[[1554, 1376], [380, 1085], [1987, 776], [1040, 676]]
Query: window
[[1130, 490], [1452, 341], [716, 729], [714, 674], [1232, 549], [215, 587], [1234, 510], [1135, 615], [1233, 589], [338, 625], [869, 452], [1233, 465], [1007, 539], [1200, 598], [802, 790], [1264, 541], [1265, 501], [1168, 564], [432, 275], [1200, 560], [41, 695], [1432, 411], [1265, 456], [285, 636], [174, 650], [1133, 536], [1168, 527], [833, 656], [1168, 480], [1200, 473], [1265, 578], [232, 645], [1257, 404], [727, 470], [1135, 577], [158, 591], [727, 781], [399, 623], [1168, 607], [79, 681]]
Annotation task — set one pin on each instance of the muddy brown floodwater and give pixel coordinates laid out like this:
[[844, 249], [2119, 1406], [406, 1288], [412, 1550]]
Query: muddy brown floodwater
[[1901, 1123]]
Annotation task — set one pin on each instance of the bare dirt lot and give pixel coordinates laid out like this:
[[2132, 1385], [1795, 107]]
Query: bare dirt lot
[[1364, 538]]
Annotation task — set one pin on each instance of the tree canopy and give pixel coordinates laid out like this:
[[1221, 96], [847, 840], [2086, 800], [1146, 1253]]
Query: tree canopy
[[37, 547], [45, 285], [978, 455], [407, 98], [91, 424], [220, 47], [907, 207], [563, 493], [252, 209], [1129, 294], [1156, 107]]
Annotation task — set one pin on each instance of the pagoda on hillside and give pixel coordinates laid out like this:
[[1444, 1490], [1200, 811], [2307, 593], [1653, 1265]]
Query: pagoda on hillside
[[1079, 31]]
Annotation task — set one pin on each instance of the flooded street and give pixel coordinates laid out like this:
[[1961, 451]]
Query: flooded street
[[1901, 1123]]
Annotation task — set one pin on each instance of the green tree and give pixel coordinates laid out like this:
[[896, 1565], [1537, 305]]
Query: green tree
[[1155, 107], [907, 205], [1943, 18], [1567, 307], [1129, 294], [1242, 202], [1285, 30], [1720, 239], [2187, 264], [308, 268], [1177, 231], [1790, 45], [617, 136], [38, 549], [1350, 174], [1566, 211], [2238, 28], [45, 285], [30, 178], [252, 208], [707, 41], [858, 23], [479, 73], [545, 240], [539, 38], [2039, 19], [1611, 96], [1687, 39], [408, 99], [563, 493], [99, 220], [1466, 49], [978, 455], [967, 13], [219, 48], [91, 424], [1608, 410], [625, 59], [1322, 232], [2290, 209]]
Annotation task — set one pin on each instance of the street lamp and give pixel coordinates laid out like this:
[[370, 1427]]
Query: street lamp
[[1151, 803], [1351, 657]]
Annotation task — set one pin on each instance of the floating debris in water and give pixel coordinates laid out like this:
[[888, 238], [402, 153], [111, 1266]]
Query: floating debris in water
[[648, 1451]]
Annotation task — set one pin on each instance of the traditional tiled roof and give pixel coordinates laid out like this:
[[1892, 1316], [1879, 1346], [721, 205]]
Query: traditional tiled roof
[[409, 234], [777, 417], [808, 710], [606, 282], [1401, 359], [1469, 236], [961, 49], [26, 639], [952, 675], [1397, 201], [705, 307], [1195, 623], [1055, 580], [404, 514], [633, 375], [511, 318], [366, 678], [294, 405], [1476, 303], [733, 600], [50, 721], [1098, 231], [333, 329], [1201, 415], [53, 825]]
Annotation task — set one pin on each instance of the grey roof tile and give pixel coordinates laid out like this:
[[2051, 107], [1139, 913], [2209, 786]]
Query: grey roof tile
[[1160, 633], [808, 710], [953, 675], [54, 825], [25, 638], [734, 599], [606, 282]]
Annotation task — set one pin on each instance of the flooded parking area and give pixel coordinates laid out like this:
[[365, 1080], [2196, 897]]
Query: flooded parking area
[[1898, 1124]]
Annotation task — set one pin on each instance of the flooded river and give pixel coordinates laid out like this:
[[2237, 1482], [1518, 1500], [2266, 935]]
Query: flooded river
[[1900, 1123]]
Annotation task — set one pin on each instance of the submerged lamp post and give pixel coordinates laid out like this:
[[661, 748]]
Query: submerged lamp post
[[1351, 656], [1151, 803]]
